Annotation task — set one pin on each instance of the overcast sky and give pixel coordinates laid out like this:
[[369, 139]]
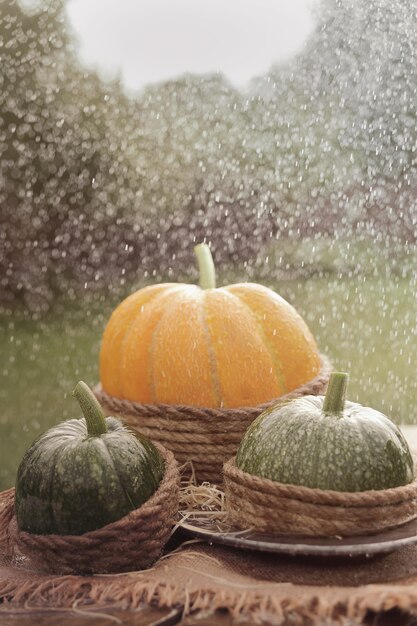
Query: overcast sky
[[152, 40]]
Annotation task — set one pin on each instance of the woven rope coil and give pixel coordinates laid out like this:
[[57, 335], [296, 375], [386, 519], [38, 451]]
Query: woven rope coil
[[277, 508], [132, 543], [205, 436]]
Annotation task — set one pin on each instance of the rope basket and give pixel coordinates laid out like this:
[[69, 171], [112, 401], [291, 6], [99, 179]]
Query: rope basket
[[205, 436], [133, 542], [277, 508]]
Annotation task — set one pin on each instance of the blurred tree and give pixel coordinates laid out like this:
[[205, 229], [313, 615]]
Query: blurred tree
[[346, 109], [95, 184], [63, 160]]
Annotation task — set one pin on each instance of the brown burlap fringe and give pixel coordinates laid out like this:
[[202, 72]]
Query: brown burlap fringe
[[205, 436], [277, 508], [312, 609], [132, 542], [257, 603]]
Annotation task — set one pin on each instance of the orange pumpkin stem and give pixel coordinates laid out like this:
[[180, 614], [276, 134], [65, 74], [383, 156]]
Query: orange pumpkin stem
[[205, 266]]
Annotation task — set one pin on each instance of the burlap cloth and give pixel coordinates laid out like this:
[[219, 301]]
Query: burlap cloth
[[263, 588]]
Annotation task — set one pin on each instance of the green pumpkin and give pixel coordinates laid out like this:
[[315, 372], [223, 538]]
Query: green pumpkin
[[84, 473], [325, 442]]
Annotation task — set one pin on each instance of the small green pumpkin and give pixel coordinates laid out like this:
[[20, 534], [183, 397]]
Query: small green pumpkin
[[84, 473], [326, 442]]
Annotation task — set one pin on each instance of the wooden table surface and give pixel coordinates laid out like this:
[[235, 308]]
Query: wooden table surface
[[152, 616]]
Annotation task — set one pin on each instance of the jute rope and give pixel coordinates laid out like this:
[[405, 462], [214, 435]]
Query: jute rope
[[132, 543], [277, 508], [206, 436]]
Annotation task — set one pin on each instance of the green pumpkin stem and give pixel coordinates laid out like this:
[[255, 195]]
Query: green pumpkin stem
[[334, 400], [205, 266], [92, 411]]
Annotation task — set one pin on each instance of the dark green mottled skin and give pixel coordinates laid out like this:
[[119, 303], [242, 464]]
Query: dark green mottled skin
[[69, 483], [298, 444]]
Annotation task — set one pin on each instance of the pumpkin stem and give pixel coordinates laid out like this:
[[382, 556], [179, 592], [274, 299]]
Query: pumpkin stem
[[92, 411], [205, 266], [334, 400]]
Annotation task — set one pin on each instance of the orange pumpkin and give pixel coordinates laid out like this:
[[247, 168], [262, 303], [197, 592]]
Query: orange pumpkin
[[233, 346]]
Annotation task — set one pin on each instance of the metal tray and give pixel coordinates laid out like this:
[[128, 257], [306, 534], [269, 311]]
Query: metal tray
[[297, 545]]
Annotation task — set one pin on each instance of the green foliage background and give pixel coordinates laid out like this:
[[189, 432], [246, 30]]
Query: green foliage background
[[98, 186]]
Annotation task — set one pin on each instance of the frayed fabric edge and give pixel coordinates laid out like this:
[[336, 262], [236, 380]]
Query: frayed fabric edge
[[68, 593]]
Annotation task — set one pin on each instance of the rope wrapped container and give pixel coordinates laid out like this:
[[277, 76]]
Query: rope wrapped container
[[133, 542], [276, 508], [205, 436]]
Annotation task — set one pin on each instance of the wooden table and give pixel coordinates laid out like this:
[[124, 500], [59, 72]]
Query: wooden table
[[150, 616]]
